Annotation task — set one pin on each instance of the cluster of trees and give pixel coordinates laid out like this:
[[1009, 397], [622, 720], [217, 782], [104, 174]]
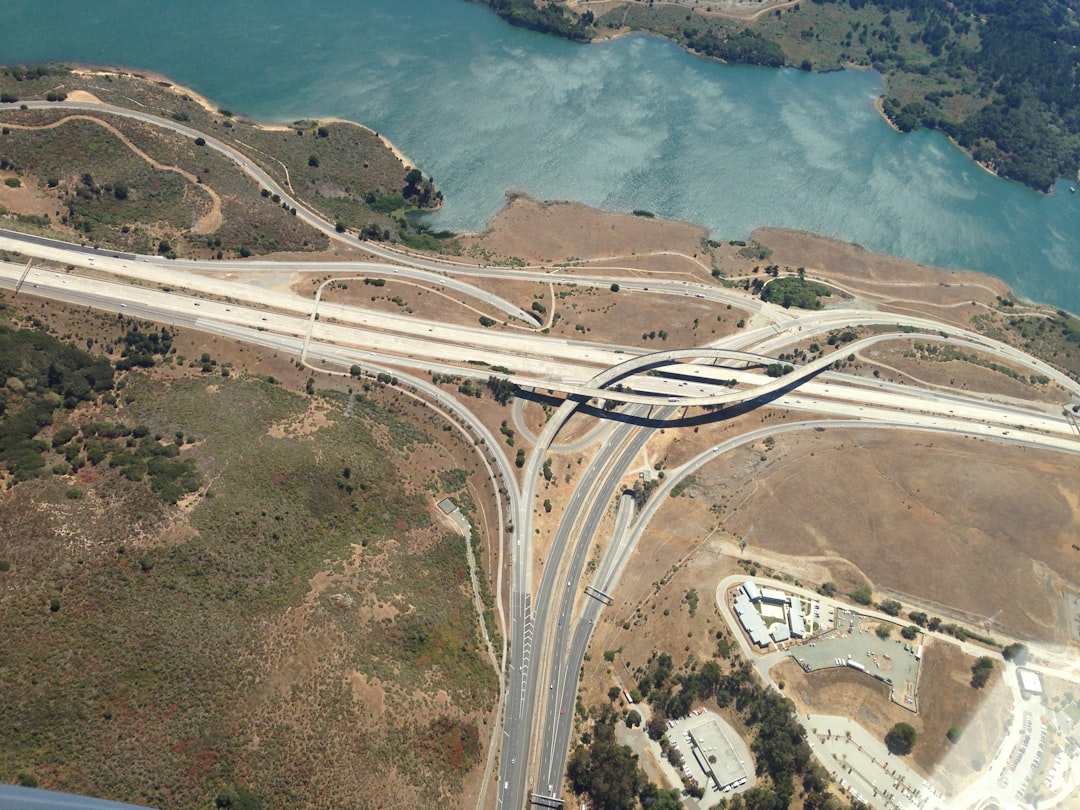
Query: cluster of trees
[[936, 624], [421, 190], [551, 18], [1025, 66], [783, 754], [794, 291], [141, 348], [900, 739], [46, 376], [981, 671], [745, 47], [22, 73], [42, 374], [502, 390], [609, 773], [778, 369]]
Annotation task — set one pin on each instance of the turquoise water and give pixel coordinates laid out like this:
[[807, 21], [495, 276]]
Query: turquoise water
[[635, 123]]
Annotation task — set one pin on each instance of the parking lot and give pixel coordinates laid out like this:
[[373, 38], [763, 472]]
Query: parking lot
[[854, 643], [714, 756]]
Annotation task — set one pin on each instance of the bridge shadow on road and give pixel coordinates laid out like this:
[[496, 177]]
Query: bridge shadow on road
[[659, 415]]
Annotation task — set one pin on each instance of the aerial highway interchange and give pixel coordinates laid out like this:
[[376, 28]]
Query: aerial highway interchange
[[548, 616]]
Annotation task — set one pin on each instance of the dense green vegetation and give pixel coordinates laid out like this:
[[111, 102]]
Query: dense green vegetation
[[549, 18], [981, 671], [782, 753], [1000, 77], [46, 378], [745, 47], [901, 738], [1055, 339], [43, 376], [794, 291], [609, 774], [1024, 68]]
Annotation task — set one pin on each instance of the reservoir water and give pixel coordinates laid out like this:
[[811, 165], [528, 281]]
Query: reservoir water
[[632, 123]]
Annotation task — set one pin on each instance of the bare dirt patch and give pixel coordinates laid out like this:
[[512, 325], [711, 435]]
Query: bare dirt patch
[[946, 698], [854, 264], [897, 285], [308, 423], [27, 198], [951, 524], [548, 232]]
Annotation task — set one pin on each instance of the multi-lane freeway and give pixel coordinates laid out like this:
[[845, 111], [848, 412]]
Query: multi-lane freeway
[[549, 616]]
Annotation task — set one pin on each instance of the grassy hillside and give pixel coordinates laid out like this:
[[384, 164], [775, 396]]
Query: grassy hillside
[[296, 632], [126, 185]]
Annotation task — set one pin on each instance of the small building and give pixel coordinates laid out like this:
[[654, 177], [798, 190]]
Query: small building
[[773, 596], [1030, 681], [796, 620], [780, 632], [447, 506], [751, 591]]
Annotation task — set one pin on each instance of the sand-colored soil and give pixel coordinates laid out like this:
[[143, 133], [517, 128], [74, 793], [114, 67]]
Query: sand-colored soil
[[946, 698], [550, 232], [886, 282], [957, 526], [26, 198]]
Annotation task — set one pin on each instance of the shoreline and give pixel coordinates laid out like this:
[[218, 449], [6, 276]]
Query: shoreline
[[165, 83], [213, 109]]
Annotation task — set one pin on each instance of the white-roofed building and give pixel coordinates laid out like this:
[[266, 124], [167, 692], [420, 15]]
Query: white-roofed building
[[780, 632], [796, 620], [751, 591], [774, 596], [1030, 681]]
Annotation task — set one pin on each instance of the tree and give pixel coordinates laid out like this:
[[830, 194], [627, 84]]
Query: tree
[[863, 595], [607, 771], [501, 389], [981, 671], [954, 734], [615, 287], [486, 321], [633, 719], [238, 797], [891, 607], [910, 632], [313, 161], [883, 631], [1015, 652], [900, 739], [657, 725]]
